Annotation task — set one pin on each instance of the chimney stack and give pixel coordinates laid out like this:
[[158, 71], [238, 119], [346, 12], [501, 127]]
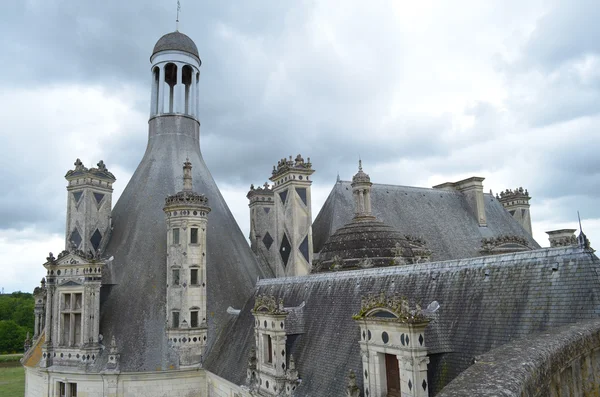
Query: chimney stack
[[562, 237], [472, 188]]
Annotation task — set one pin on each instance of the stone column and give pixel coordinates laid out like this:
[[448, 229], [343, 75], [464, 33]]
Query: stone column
[[96, 314], [179, 105], [161, 90], [361, 202], [153, 92], [197, 110], [49, 307]]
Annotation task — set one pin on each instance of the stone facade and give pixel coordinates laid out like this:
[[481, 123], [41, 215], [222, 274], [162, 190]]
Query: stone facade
[[72, 334]]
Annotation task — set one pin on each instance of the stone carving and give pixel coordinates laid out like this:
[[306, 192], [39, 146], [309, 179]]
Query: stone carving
[[101, 171], [51, 259], [352, 390], [186, 198], [395, 304], [488, 244], [285, 165], [365, 263], [563, 241], [268, 304], [513, 194]]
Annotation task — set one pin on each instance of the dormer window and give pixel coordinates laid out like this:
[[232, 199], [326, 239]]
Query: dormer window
[[71, 319]]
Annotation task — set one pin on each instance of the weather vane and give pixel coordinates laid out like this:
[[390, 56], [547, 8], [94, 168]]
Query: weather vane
[[177, 21]]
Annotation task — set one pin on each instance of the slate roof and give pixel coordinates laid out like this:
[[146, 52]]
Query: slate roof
[[133, 296], [442, 217], [485, 302], [176, 41]]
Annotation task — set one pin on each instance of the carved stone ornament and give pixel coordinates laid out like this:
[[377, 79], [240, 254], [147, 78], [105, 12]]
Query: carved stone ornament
[[268, 304], [395, 304], [488, 244]]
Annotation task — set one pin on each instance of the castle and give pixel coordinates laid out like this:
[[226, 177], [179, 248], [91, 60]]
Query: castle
[[391, 291]]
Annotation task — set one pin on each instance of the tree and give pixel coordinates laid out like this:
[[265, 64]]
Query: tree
[[12, 337]]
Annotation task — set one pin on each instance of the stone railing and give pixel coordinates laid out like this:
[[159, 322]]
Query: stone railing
[[560, 362]]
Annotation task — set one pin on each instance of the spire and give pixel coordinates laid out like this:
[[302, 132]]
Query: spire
[[187, 175], [177, 20]]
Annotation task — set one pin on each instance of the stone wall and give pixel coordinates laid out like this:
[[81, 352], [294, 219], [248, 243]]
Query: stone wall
[[561, 362], [188, 383]]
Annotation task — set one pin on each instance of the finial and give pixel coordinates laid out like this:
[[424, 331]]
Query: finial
[[359, 164], [338, 177], [177, 21], [579, 218]]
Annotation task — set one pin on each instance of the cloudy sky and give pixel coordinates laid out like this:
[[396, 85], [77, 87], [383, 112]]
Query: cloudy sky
[[424, 91]]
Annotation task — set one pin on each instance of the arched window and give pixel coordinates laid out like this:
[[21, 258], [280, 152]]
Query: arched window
[[170, 81], [186, 77]]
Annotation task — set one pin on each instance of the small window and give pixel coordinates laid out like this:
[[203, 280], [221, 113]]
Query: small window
[[175, 235], [175, 276], [175, 322], [194, 318], [62, 389], [194, 277], [194, 235]]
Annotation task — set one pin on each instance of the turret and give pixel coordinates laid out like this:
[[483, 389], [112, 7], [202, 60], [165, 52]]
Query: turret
[[516, 202], [263, 226], [291, 187], [361, 190], [89, 206], [186, 214]]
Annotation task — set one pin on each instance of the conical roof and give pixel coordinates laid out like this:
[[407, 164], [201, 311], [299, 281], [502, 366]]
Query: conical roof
[[133, 307]]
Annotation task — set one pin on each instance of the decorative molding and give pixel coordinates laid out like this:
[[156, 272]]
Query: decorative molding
[[395, 305]]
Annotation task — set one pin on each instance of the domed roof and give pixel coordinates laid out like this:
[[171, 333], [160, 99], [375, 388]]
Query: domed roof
[[176, 41], [368, 242]]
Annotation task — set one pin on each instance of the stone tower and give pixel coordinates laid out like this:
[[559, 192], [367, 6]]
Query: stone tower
[[262, 225], [89, 205], [293, 219], [516, 202], [186, 214], [138, 272]]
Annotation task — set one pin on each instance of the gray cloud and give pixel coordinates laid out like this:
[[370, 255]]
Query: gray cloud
[[306, 77]]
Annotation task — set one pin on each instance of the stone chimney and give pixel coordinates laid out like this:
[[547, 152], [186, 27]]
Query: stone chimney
[[562, 237], [516, 202], [472, 188]]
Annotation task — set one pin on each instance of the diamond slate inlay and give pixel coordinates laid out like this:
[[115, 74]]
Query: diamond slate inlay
[[304, 248], [98, 197], [75, 238], [409, 384], [267, 209], [77, 196], [302, 193], [285, 249], [424, 384], [95, 239], [283, 196], [267, 240], [421, 339]]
